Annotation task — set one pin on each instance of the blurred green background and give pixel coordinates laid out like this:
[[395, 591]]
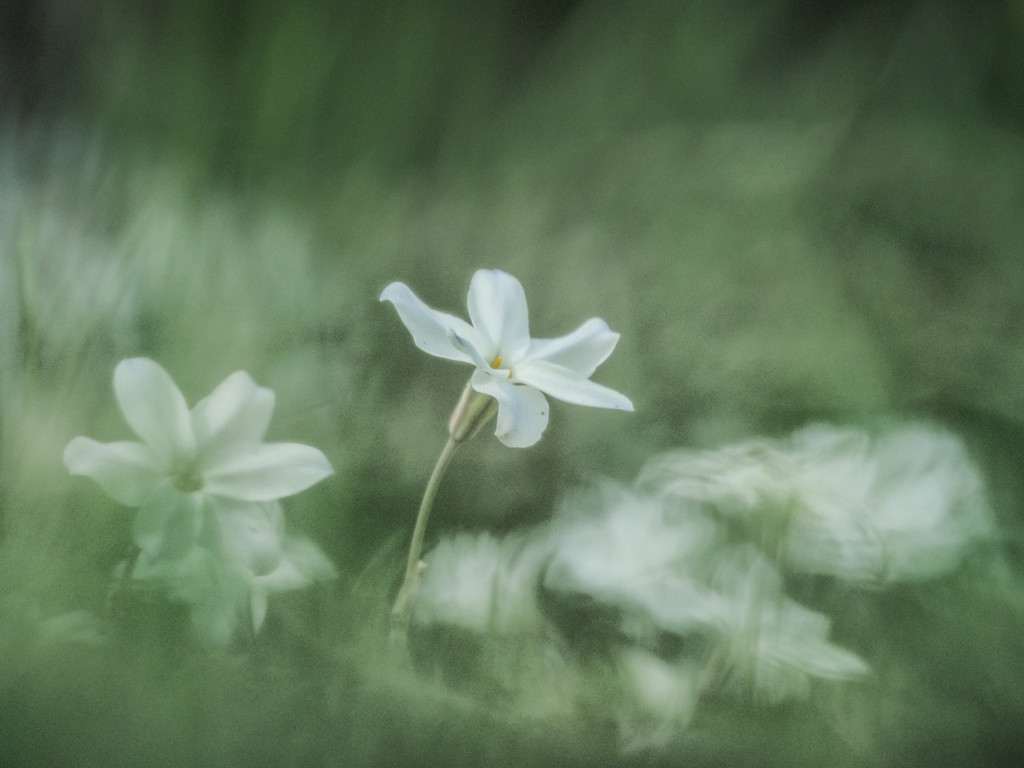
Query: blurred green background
[[790, 211]]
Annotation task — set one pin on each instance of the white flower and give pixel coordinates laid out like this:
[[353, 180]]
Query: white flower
[[769, 645], [513, 368], [204, 474], [906, 504], [660, 698], [627, 550], [221, 593], [668, 571], [650, 595], [481, 583], [302, 563]]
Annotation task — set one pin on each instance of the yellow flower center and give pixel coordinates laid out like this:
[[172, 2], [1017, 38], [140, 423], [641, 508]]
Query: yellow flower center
[[186, 479], [496, 365]]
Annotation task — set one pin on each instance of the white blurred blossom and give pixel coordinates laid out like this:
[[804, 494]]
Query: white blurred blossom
[[224, 596], [768, 646], [631, 552], [661, 696], [675, 607], [203, 475], [670, 571], [906, 504], [482, 583]]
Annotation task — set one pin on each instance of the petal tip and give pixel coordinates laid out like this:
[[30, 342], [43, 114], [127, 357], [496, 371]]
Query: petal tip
[[73, 452], [517, 439], [389, 293], [132, 365]]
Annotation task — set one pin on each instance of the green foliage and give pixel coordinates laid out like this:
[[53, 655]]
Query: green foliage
[[774, 211]]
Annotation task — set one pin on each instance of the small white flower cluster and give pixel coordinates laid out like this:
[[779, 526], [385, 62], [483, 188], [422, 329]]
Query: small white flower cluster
[[684, 603], [906, 505], [209, 526]]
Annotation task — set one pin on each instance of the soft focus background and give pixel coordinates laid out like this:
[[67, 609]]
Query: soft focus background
[[790, 210]]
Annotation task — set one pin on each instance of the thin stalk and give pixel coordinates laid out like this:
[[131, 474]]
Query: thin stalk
[[28, 337], [121, 585], [400, 612], [130, 562]]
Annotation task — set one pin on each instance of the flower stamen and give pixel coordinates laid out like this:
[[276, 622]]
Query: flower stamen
[[496, 365]]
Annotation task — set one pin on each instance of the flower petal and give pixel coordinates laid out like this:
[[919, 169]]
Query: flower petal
[[580, 351], [154, 408], [167, 525], [267, 471], [568, 386], [497, 307], [257, 607], [126, 471], [303, 563], [430, 329], [236, 412], [470, 351], [247, 534], [522, 411]]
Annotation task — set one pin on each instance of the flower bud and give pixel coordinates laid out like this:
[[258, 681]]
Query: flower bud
[[471, 413]]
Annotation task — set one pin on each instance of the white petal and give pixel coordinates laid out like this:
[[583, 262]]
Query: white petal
[[257, 608], [126, 471], [237, 411], [497, 307], [824, 659], [215, 618], [154, 408], [568, 386], [167, 525], [302, 564], [267, 471], [430, 329], [470, 351], [247, 534], [580, 351], [522, 411]]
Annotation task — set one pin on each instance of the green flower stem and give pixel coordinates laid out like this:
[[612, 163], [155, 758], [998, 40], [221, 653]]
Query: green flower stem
[[471, 412], [122, 585], [402, 608], [129, 566]]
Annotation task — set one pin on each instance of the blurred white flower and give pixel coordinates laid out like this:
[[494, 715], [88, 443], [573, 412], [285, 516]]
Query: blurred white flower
[[482, 584], [514, 369], [302, 564], [221, 594], [661, 697], [668, 572], [651, 594], [201, 475], [769, 646], [629, 551], [736, 479], [907, 504]]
